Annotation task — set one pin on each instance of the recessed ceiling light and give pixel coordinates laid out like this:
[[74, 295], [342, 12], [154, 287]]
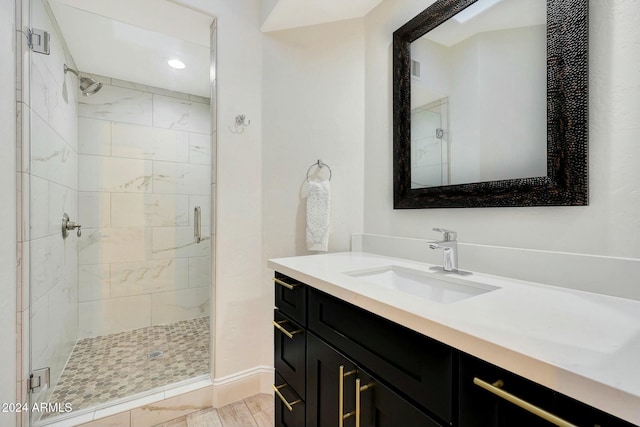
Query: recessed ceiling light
[[176, 63]]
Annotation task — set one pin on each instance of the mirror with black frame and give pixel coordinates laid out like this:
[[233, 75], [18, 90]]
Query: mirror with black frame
[[474, 83]]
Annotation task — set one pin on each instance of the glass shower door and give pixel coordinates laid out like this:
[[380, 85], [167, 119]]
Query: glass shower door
[[429, 145], [120, 303], [53, 192]]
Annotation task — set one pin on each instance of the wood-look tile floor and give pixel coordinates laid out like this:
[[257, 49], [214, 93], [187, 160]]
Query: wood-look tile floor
[[254, 411]]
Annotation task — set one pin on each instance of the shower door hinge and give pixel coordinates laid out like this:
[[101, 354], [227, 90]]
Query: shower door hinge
[[39, 41], [38, 380]]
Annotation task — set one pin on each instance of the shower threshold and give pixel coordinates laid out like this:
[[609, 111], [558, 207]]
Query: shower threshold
[[128, 403]]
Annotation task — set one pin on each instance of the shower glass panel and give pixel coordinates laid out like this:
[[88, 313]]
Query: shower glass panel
[[120, 306], [429, 145]]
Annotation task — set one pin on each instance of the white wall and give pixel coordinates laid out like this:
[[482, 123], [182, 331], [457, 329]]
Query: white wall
[[498, 78], [8, 244], [434, 82], [609, 226], [313, 100]]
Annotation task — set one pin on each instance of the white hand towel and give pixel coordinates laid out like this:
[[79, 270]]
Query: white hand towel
[[318, 208]]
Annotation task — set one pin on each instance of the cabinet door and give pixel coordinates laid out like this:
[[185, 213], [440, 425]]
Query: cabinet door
[[291, 297], [329, 374], [418, 367], [480, 406], [585, 415], [289, 407], [379, 406], [337, 388], [290, 351]]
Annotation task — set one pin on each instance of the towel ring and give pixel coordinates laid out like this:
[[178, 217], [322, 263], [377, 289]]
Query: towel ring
[[320, 164]]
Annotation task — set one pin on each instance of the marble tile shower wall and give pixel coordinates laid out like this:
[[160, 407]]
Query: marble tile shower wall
[[50, 185], [145, 158]]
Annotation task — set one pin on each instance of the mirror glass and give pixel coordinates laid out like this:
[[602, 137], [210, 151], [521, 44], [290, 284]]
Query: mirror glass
[[490, 102], [479, 96]]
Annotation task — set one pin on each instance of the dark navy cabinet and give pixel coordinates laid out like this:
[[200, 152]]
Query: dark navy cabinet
[[290, 350], [419, 367], [342, 393], [490, 396], [338, 365]]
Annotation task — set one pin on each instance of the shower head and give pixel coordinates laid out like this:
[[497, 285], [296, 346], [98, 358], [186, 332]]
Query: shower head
[[88, 86]]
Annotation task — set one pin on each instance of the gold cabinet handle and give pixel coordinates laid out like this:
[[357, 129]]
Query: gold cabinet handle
[[276, 389], [341, 415], [285, 284], [279, 327], [360, 389], [495, 389]]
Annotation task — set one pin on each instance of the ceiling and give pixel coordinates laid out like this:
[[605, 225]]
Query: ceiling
[[123, 40], [287, 14], [132, 40], [489, 15]]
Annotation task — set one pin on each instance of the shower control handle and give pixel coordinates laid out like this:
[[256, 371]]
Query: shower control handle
[[72, 225], [68, 226]]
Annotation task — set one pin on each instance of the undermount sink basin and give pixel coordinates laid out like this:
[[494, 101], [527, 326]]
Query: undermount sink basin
[[436, 287]]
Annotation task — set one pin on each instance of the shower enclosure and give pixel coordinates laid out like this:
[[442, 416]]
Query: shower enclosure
[[119, 201], [430, 155]]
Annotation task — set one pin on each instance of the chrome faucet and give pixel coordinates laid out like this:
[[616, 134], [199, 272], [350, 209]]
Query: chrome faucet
[[449, 246]]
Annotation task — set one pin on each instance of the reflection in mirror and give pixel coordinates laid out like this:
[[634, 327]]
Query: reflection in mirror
[[429, 144], [490, 107], [478, 96]]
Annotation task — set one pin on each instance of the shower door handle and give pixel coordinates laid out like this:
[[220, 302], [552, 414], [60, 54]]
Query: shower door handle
[[197, 224]]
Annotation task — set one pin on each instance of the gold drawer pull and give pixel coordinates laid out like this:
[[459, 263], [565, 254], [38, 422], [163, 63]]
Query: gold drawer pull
[[495, 389], [285, 284], [283, 330], [289, 406]]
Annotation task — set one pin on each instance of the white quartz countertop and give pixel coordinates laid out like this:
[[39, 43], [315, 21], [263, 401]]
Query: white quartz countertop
[[581, 344]]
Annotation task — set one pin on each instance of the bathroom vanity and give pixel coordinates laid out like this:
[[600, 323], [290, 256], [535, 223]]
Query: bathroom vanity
[[363, 340]]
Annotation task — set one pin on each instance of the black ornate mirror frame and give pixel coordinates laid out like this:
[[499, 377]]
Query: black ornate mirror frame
[[566, 182]]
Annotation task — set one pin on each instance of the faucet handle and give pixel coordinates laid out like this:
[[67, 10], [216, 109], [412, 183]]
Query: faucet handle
[[449, 235]]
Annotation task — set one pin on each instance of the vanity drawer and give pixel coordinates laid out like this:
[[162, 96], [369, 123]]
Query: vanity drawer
[[290, 350], [481, 407], [289, 407], [291, 297], [418, 367]]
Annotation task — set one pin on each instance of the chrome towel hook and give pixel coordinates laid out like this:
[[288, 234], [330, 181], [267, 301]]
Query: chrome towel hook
[[241, 123], [319, 164]]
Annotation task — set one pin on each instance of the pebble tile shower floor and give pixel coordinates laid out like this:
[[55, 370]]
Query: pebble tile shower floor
[[110, 367]]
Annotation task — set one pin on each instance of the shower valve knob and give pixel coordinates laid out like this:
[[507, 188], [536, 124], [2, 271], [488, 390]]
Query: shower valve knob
[[73, 226], [78, 231], [68, 226]]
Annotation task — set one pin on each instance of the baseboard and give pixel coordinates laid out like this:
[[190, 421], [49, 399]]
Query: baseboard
[[241, 385]]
